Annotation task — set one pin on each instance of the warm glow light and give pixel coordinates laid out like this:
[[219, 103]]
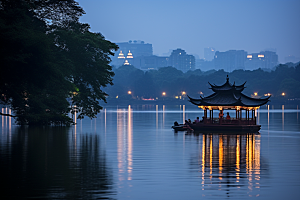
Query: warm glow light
[[121, 55], [129, 55], [129, 92], [183, 93], [269, 94], [249, 56], [176, 97], [255, 93], [117, 97], [283, 94], [163, 93], [261, 56]]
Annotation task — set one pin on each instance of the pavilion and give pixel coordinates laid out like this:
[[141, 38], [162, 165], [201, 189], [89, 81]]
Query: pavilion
[[228, 97]]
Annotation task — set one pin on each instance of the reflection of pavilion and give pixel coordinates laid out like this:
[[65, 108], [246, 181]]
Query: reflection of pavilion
[[230, 161]]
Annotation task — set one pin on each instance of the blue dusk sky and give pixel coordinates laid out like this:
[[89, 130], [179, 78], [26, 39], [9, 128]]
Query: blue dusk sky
[[192, 25]]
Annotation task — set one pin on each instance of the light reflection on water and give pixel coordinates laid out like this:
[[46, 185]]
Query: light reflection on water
[[132, 153]]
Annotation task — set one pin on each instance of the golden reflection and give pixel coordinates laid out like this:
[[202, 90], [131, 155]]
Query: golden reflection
[[75, 118], [129, 138], [163, 116], [203, 160], [238, 158], [283, 117], [183, 114], [220, 156], [210, 154], [156, 116], [9, 122], [268, 116], [105, 122], [2, 118], [120, 125], [124, 143]]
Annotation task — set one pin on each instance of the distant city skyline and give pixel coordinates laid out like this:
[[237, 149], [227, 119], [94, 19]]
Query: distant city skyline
[[193, 25]]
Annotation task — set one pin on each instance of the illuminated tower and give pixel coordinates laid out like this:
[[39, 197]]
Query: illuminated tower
[[129, 55], [121, 55]]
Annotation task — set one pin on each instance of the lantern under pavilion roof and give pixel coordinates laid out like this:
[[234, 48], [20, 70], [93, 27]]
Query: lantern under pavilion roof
[[228, 95]]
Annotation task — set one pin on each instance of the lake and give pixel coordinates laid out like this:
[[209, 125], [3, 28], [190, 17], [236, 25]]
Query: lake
[[131, 152]]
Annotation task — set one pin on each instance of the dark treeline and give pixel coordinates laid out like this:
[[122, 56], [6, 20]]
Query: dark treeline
[[151, 84]]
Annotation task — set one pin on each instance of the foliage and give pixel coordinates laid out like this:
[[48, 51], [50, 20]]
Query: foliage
[[152, 83], [50, 59]]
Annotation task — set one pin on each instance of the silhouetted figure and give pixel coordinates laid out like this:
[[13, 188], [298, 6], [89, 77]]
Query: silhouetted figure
[[190, 121], [176, 123], [221, 114], [228, 116], [197, 120]]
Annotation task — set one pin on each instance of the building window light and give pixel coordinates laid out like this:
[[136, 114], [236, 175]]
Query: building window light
[[261, 56], [249, 56]]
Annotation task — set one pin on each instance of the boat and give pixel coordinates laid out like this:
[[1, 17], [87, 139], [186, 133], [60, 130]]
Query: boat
[[227, 97]]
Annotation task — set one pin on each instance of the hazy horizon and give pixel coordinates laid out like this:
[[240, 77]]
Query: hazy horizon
[[192, 25]]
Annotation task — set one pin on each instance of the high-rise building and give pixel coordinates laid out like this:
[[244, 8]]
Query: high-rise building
[[263, 60], [182, 61], [230, 60], [131, 49], [209, 53], [150, 62]]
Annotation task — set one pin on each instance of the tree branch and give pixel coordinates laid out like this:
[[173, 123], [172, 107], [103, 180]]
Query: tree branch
[[7, 115]]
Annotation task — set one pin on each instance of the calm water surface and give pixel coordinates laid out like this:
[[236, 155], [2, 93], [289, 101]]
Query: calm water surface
[[132, 153]]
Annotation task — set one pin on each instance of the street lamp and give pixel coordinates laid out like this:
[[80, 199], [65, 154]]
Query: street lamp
[[283, 94], [183, 93], [255, 93], [164, 94], [129, 92]]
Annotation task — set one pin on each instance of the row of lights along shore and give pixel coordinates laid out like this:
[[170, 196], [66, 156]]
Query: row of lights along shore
[[184, 93]]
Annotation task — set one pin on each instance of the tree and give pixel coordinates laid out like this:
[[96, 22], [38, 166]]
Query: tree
[[50, 59]]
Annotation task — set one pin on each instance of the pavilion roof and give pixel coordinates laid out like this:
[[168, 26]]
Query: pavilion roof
[[228, 95]]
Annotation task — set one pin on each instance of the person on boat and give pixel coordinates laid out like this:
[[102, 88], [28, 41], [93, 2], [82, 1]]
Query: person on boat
[[228, 116], [221, 114], [176, 123], [190, 121], [197, 120]]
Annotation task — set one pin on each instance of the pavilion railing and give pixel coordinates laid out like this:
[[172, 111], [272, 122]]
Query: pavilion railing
[[237, 121]]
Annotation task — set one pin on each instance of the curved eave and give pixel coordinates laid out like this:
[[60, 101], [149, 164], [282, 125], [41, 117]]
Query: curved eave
[[239, 102]]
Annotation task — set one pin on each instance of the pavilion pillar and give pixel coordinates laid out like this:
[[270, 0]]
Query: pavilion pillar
[[252, 116], [241, 114], [212, 115], [248, 111]]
